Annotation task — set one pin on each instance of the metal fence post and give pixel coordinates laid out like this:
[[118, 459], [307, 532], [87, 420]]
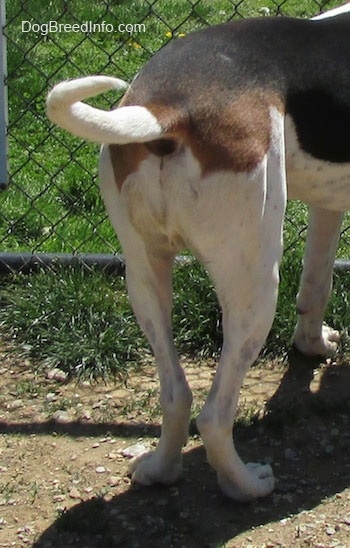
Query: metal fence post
[[3, 99]]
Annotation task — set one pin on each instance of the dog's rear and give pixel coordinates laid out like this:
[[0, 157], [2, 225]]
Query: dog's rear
[[195, 157]]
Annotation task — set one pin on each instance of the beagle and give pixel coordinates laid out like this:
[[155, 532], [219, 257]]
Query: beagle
[[212, 136]]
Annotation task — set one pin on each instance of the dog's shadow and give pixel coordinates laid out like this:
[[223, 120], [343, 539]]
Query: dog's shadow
[[305, 433]]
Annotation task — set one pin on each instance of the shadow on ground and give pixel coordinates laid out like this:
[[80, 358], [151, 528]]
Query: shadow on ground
[[305, 433]]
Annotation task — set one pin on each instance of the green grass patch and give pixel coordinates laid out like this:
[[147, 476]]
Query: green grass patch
[[72, 319], [81, 321]]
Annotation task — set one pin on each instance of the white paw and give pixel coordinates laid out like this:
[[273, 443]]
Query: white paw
[[258, 482], [149, 468], [324, 345]]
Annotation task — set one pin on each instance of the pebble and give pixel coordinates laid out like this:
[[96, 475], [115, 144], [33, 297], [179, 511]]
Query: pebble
[[134, 450], [59, 498], [113, 481], [100, 470], [291, 454], [15, 404], [74, 493], [56, 374], [346, 520], [98, 404], [61, 417], [51, 396]]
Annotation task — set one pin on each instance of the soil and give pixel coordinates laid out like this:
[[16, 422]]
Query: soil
[[65, 448]]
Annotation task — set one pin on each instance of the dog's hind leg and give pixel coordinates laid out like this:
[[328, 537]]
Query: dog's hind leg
[[247, 319], [245, 270], [149, 262], [150, 291], [311, 336]]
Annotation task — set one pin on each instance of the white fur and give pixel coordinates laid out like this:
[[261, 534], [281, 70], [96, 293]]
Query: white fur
[[345, 8], [322, 184], [178, 205], [123, 125]]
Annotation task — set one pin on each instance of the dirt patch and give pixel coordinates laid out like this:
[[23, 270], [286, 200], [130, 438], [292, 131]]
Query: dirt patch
[[63, 469]]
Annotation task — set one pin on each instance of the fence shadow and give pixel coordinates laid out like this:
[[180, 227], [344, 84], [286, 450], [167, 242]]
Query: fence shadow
[[305, 434]]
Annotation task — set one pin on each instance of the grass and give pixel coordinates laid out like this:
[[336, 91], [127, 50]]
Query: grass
[[82, 321]]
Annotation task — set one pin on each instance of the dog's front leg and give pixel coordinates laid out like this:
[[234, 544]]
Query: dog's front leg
[[311, 336]]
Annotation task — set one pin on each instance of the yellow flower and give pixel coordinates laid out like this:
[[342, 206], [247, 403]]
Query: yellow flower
[[169, 34], [181, 34], [136, 45]]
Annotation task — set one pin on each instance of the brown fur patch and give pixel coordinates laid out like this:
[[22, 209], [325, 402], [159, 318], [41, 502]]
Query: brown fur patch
[[233, 137], [126, 160]]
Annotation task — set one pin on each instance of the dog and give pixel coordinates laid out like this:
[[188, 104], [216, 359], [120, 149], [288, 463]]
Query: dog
[[208, 140]]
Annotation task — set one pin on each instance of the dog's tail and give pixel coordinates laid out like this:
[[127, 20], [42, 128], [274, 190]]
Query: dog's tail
[[120, 126]]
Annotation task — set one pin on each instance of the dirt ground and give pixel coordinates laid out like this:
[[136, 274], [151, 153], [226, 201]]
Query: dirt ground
[[65, 448]]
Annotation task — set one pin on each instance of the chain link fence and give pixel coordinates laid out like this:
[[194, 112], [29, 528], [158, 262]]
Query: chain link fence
[[53, 204]]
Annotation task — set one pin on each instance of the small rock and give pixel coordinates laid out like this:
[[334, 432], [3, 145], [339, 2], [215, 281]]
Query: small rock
[[56, 374], [86, 415], [291, 454], [98, 404], [61, 417], [288, 497], [95, 445], [74, 493], [134, 450], [15, 404], [330, 531], [59, 498], [100, 470], [50, 397], [113, 481], [346, 520]]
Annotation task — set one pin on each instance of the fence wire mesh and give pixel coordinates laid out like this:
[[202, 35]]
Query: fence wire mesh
[[53, 204]]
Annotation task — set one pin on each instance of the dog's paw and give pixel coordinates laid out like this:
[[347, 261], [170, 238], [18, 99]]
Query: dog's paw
[[149, 468], [259, 482], [324, 345]]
